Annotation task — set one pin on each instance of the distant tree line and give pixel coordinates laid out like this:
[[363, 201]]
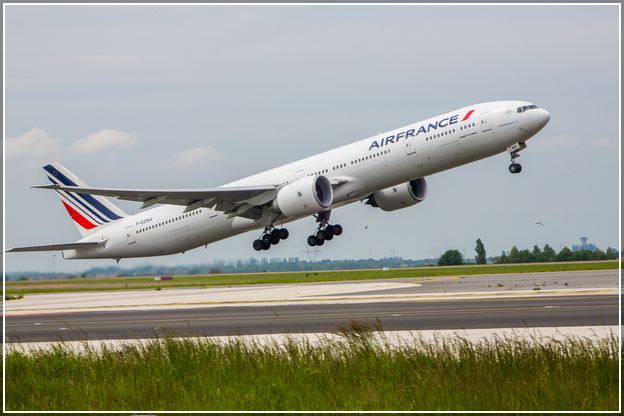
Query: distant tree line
[[548, 254], [537, 255], [251, 265]]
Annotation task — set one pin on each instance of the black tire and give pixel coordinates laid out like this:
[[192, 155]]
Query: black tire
[[283, 233], [320, 234], [337, 229], [330, 230], [266, 246], [515, 168], [266, 239], [257, 245], [274, 239], [328, 236], [319, 242], [311, 241], [275, 233]]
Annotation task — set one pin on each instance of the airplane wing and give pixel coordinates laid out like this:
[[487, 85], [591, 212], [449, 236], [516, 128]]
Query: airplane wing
[[243, 201], [226, 199], [57, 247]]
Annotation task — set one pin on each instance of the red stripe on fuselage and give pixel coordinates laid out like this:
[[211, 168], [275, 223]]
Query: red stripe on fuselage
[[84, 223], [468, 114]]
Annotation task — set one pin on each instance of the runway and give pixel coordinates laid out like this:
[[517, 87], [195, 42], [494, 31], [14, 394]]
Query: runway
[[490, 312]]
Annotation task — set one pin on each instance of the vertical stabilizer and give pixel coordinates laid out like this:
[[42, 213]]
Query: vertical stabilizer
[[87, 211]]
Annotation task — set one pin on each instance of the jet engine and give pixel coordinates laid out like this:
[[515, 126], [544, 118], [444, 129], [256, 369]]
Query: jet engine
[[400, 196], [305, 196]]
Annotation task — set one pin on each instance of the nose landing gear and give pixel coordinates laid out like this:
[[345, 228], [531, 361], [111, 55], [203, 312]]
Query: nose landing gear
[[513, 152], [270, 236], [515, 168]]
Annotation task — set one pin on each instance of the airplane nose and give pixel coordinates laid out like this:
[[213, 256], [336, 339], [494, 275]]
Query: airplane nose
[[543, 117]]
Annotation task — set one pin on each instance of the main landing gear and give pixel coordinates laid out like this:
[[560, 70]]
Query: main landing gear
[[324, 234], [325, 231], [270, 236]]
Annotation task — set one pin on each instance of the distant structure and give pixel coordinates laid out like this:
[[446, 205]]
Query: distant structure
[[584, 246]]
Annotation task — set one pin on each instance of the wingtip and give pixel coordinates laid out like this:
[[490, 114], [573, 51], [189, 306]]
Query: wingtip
[[45, 186]]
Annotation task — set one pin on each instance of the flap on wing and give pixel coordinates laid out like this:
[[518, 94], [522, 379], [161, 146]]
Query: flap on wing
[[192, 198], [57, 247]]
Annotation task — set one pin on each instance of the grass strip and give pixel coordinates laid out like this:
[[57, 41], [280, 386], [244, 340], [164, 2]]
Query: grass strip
[[126, 283], [354, 372]]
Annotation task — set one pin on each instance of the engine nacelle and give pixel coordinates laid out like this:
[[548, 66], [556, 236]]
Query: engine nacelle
[[400, 196], [305, 196]]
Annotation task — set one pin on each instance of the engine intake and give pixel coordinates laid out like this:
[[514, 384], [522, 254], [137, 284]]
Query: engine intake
[[305, 196], [400, 196]]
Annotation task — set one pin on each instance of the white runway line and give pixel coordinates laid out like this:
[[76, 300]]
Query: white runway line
[[540, 335]]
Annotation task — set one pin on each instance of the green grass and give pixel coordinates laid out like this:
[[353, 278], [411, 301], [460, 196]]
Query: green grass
[[352, 374], [125, 283]]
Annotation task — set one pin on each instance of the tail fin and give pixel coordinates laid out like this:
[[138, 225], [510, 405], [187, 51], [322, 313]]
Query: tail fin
[[88, 211]]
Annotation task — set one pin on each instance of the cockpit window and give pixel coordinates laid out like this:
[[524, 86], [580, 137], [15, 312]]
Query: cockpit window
[[526, 108]]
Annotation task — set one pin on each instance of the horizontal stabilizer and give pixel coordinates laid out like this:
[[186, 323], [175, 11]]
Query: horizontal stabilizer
[[57, 247]]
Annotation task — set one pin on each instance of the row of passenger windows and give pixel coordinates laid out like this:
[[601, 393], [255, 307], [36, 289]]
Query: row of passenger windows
[[320, 172], [353, 162], [526, 108], [444, 133], [365, 158], [160, 224]]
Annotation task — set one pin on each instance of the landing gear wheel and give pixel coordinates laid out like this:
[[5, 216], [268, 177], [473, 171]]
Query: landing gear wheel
[[283, 233], [321, 235], [266, 239], [258, 245], [319, 242], [337, 229], [330, 230], [312, 241], [266, 246], [515, 168]]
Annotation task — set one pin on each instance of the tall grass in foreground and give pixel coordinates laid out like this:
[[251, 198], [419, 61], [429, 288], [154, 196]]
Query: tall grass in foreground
[[357, 373]]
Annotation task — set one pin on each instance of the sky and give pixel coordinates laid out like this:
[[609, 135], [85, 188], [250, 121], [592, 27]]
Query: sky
[[197, 96]]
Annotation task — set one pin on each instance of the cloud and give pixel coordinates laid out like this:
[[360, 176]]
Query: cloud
[[35, 143], [103, 140], [194, 156]]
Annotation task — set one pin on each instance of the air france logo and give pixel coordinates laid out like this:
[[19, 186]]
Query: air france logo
[[425, 128]]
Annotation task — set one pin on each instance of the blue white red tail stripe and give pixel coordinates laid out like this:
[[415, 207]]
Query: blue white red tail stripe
[[93, 202], [74, 200]]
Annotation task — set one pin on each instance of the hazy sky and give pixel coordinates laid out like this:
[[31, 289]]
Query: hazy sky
[[196, 96]]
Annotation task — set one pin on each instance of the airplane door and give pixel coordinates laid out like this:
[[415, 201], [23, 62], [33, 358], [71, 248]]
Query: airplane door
[[130, 235], [410, 145], [485, 122]]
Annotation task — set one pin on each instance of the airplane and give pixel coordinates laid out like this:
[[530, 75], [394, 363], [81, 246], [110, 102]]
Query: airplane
[[386, 171]]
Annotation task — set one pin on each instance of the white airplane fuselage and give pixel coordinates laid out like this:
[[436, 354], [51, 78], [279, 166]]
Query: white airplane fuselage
[[366, 166]]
